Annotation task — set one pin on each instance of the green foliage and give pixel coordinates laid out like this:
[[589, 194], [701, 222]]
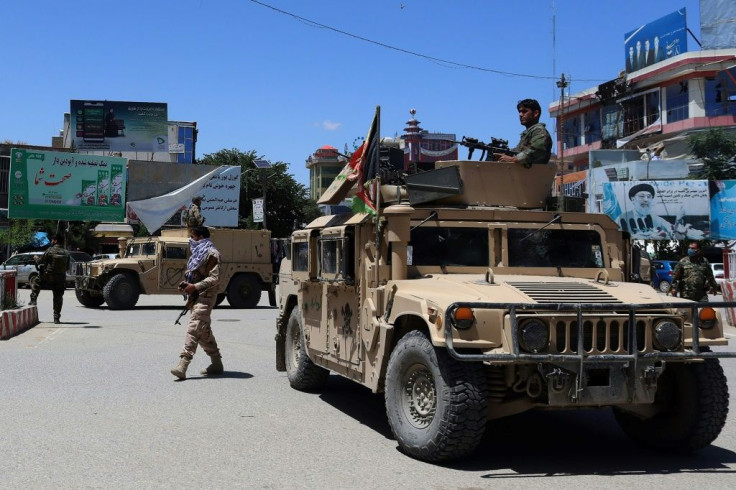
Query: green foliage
[[20, 232], [717, 150], [287, 201]]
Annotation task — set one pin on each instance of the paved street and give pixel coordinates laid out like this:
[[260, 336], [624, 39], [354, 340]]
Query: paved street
[[91, 404]]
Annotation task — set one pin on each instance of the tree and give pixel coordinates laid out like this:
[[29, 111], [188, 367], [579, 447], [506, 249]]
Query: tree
[[717, 150], [287, 201], [20, 232]]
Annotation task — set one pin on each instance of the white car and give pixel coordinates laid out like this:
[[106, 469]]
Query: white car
[[105, 256], [718, 272], [24, 265]]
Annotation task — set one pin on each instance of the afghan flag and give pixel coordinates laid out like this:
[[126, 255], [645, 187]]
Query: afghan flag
[[364, 165]]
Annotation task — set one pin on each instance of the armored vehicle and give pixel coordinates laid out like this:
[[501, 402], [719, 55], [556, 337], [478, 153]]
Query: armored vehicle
[[462, 301], [156, 265]]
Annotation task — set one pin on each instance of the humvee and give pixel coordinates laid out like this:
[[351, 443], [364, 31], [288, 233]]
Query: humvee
[[464, 301], [156, 265]]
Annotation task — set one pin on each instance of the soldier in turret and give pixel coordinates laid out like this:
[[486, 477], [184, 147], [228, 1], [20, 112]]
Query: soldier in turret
[[193, 216], [535, 145], [52, 268]]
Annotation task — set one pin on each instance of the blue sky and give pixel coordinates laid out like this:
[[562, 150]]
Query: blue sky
[[256, 77]]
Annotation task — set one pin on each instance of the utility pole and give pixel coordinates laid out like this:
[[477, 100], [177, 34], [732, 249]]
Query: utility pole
[[562, 84]]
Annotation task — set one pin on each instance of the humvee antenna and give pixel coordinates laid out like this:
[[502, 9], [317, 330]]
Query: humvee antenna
[[556, 218]]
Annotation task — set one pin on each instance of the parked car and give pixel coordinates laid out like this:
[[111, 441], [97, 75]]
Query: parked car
[[719, 273], [105, 256], [662, 276], [24, 265]]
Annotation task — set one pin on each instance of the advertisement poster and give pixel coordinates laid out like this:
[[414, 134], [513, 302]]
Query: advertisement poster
[[654, 42], [119, 126], [68, 186], [659, 210], [723, 210]]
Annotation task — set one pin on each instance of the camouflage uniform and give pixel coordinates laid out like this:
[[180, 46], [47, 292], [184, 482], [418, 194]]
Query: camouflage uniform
[[193, 216], [535, 146], [53, 266], [199, 331], [693, 277]]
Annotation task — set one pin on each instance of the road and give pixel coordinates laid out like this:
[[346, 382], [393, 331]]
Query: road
[[90, 403]]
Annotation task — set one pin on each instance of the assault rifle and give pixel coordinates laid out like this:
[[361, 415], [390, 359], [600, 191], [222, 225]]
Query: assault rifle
[[496, 146], [191, 299]]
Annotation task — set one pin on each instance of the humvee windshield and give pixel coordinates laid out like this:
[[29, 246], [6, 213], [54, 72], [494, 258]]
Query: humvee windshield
[[554, 248], [449, 246], [136, 249]]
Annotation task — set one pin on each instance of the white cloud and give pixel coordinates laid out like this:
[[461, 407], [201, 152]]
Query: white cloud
[[331, 126]]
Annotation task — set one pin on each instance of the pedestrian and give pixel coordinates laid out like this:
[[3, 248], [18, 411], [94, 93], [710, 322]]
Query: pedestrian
[[693, 276], [535, 145], [193, 216], [202, 276], [52, 268]]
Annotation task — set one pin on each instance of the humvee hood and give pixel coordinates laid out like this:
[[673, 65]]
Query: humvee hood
[[445, 289]]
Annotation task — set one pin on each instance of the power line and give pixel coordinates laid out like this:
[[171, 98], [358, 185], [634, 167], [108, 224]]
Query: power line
[[406, 51]]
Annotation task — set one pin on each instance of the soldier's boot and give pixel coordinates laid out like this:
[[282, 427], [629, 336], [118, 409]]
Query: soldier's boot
[[56, 319], [215, 367], [180, 370], [32, 302]]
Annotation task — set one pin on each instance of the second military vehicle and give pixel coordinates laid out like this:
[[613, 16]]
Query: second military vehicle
[[156, 265], [463, 301]]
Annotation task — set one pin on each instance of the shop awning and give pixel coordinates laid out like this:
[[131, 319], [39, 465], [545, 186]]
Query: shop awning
[[113, 230]]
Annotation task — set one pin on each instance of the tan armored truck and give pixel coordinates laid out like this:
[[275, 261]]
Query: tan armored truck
[[156, 265], [468, 303]]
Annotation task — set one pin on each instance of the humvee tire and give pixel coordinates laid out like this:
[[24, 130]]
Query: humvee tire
[[87, 299], [436, 406], [121, 292], [244, 291], [303, 374], [220, 299], [694, 402]]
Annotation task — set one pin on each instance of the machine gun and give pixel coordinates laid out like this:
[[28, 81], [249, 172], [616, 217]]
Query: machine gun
[[191, 299], [496, 146]]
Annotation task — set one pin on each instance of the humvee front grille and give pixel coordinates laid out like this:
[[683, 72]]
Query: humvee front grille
[[563, 292], [600, 336]]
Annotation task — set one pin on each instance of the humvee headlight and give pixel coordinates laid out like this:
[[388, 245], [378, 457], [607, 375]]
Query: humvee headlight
[[667, 335], [533, 335], [707, 317], [463, 318]]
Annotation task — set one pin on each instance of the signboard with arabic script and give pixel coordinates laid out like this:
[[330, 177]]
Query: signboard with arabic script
[[68, 186], [221, 198]]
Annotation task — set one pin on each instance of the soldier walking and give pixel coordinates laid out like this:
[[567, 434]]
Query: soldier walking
[[693, 276], [52, 268], [202, 277]]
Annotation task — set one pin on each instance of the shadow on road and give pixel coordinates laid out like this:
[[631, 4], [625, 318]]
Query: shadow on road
[[226, 374], [553, 443]]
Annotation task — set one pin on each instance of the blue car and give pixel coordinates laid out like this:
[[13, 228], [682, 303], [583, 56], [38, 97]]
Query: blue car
[[662, 271]]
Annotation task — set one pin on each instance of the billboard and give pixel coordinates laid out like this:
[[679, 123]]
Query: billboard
[[723, 209], [654, 42], [104, 125], [659, 210], [68, 186]]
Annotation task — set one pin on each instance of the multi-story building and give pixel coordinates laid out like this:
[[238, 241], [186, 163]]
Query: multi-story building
[[324, 165]]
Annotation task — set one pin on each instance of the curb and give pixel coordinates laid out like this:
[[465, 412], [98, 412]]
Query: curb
[[13, 322]]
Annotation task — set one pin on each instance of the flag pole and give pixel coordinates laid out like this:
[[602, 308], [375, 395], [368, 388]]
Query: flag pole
[[378, 189]]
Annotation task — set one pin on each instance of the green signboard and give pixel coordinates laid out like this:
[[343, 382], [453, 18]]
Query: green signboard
[[68, 186]]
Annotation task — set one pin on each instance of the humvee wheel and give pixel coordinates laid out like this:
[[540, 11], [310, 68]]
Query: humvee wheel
[[220, 299], [303, 374], [121, 292], [88, 299], [244, 291], [436, 406], [694, 403]]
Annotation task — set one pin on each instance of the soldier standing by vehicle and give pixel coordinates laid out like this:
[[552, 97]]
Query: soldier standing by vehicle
[[202, 277], [52, 268], [193, 216], [535, 145], [693, 276]]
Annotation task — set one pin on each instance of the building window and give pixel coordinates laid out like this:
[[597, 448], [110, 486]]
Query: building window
[[571, 132], [720, 95], [612, 123], [678, 100], [592, 126]]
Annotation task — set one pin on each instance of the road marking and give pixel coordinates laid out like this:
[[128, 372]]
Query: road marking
[[49, 337]]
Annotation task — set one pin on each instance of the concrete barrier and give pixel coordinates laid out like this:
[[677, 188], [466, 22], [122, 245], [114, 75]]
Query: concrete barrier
[[13, 322]]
